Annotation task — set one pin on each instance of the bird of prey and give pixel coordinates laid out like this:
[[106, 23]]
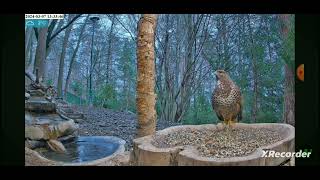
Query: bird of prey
[[226, 99]]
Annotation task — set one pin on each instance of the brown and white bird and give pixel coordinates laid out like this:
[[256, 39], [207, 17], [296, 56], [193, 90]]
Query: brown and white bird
[[226, 99]]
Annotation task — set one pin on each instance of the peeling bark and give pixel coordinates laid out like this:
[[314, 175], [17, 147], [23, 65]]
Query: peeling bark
[[146, 97]]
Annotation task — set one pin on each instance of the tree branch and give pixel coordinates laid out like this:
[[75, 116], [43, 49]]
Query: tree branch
[[132, 37], [30, 76], [36, 33], [67, 25], [50, 29]]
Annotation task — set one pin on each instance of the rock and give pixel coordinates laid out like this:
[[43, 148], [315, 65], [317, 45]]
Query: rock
[[49, 131], [43, 122], [33, 158], [37, 105], [70, 113], [74, 115], [34, 144], [67, 110], [67, 128], [49, 98], [35, 133], [102, 125], [66, 139], [28, 118], [26, 95], [56, 146], [61, 102], [37, 93], [78, 120]]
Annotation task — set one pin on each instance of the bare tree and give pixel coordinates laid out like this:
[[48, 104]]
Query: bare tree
[[255, 72], [28, 41], [53, 27], [289, 99], [40, 54], [62, 57], [109, 55], [73, 57]]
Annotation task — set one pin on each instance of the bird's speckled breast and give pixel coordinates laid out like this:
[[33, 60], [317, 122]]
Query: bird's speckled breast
[[225, 96]]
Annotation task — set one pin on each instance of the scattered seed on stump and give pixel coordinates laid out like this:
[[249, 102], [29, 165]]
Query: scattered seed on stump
[[220, 144]]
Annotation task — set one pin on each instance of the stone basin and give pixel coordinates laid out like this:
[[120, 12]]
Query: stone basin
[[146, 154], [82, 151]]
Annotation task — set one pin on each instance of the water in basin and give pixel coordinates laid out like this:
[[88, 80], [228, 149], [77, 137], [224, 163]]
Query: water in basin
[[84, 148]]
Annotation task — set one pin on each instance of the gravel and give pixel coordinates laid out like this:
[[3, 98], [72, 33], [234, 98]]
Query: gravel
[[107, 122], [220, 144]]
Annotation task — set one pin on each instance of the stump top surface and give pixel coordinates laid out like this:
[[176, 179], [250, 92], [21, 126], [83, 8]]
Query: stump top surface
[[202, 150]]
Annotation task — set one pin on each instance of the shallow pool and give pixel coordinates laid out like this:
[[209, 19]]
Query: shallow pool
[[84, 148]]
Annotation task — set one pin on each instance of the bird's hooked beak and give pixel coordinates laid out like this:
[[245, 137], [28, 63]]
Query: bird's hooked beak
[[216, 74]]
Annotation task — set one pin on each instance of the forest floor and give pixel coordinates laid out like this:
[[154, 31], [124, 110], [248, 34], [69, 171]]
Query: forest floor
[[107, 122]]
